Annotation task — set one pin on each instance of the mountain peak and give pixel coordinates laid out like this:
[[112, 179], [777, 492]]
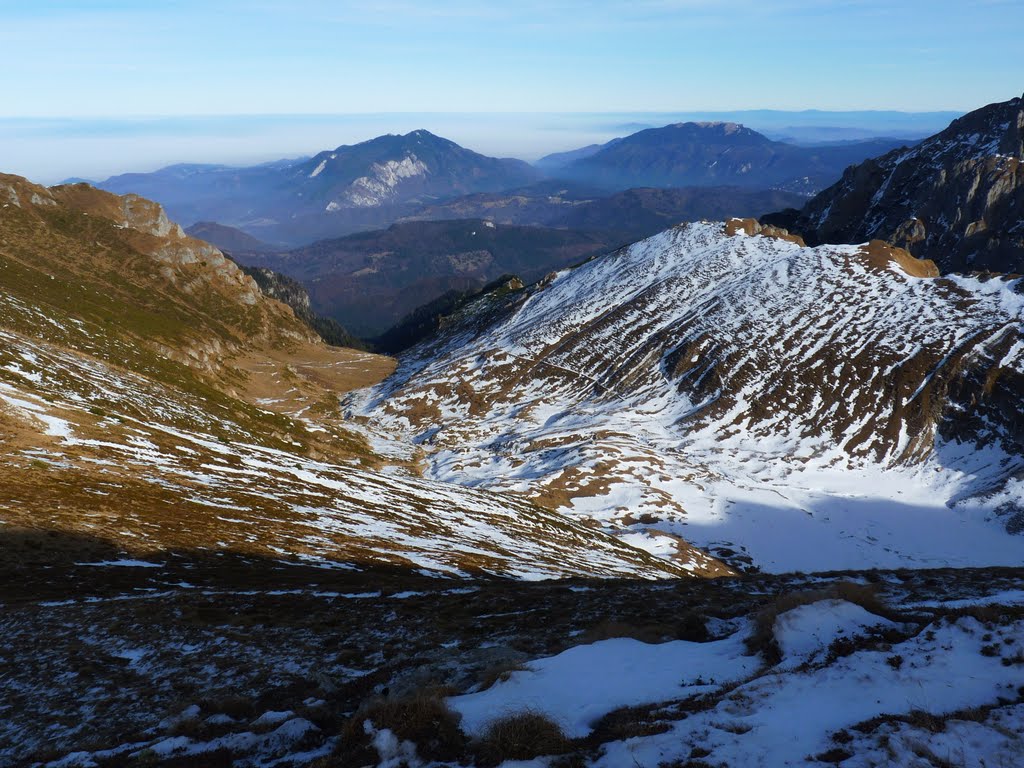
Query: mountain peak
[[713, 154], [997, 127], [423, 133], [338, 191], [956, 198], [725, 126]]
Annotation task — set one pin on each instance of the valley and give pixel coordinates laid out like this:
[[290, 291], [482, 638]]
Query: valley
[[650, 476], [693, 385]]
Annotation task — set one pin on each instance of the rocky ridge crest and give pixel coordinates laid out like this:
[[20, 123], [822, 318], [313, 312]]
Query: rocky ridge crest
[[956, 198]]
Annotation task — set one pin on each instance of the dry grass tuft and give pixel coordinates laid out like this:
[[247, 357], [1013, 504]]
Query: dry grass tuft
[[645, 633], [521, 736], [422, 718], [499, 673]]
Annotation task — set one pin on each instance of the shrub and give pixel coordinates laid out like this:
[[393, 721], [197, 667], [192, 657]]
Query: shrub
[[864, 595], [835, 755], [521, 736], [422, 718], [499, 673]]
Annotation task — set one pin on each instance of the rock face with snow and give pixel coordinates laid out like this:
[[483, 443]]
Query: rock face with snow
[[956, 198], [726, 385]]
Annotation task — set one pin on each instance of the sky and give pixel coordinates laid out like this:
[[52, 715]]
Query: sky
[[112, 60]]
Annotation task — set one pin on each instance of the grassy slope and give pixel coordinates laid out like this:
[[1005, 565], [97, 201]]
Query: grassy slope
[[152, 398]]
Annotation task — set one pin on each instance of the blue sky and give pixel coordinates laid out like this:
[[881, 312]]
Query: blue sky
[[105, 66], [94, 57]]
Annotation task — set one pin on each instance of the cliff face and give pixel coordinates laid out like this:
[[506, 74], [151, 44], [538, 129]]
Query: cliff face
[[957, 198]]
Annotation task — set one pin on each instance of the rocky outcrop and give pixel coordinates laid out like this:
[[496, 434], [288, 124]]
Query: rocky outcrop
[[19, 192], [210, 309], [957, 198], [165, 241]]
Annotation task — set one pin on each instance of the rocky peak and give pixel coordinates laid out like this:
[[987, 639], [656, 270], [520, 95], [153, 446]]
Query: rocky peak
[[957, 198], [753, 227], [993, 130], [722, 126], [997, 126], [19, 192]]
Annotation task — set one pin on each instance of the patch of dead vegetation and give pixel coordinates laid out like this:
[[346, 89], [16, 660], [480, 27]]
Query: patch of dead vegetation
[[520, 736], [881, 255], [422, 718]]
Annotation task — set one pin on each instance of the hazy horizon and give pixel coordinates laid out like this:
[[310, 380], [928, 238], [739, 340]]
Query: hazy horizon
[[51, 149], [247, 81], [209, 57]]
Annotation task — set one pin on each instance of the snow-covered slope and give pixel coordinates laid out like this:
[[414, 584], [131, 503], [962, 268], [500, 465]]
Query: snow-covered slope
[[151, 398], [823, 408], [933, 691]]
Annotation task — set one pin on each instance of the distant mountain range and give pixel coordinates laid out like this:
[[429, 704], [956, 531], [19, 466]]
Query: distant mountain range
[[422, 176], [228, 238], [347, 189], [956, 198], [712, 154], [639, 213], [556, 161]]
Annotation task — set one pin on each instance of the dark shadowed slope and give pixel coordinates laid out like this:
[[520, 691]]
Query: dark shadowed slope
[[370, 280]]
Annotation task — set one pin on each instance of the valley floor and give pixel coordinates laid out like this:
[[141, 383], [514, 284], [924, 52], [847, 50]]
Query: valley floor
[[219, 659]]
